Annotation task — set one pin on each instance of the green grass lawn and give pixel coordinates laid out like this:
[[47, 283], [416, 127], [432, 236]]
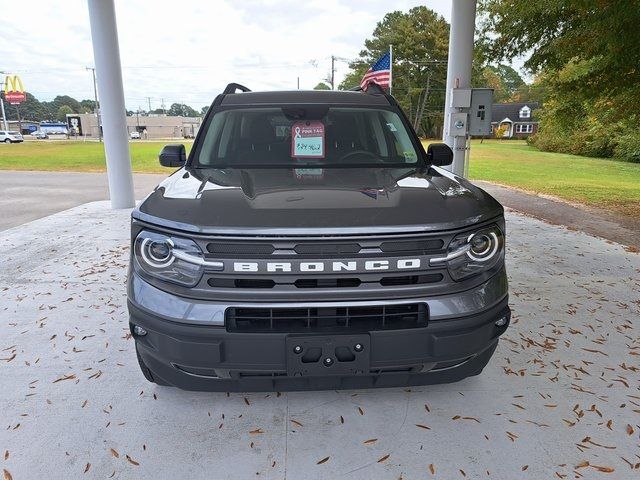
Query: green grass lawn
[[604, 183], [610, 184], [78, 156]]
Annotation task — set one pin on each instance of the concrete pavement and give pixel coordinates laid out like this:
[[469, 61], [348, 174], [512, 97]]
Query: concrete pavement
[[27, 196], [560, 398]]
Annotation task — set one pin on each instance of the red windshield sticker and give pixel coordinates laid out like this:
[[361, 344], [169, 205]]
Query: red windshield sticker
[[307, 139]]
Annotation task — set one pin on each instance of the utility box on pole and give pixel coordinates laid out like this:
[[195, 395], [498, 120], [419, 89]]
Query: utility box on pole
[[479, 124]]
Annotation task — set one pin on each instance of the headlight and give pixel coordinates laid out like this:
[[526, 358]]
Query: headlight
[[174, 259], [470, 254]]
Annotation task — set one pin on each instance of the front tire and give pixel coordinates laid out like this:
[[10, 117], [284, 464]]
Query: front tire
[[7, 140], [148, 374]]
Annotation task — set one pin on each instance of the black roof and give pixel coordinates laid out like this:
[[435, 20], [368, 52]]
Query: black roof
[[305, 96], [500, 111]]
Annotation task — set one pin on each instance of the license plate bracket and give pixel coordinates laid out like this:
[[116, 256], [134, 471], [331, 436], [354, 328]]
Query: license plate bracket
[[322, 355]]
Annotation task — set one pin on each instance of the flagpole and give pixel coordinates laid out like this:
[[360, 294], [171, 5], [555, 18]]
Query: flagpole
[[390, 68]]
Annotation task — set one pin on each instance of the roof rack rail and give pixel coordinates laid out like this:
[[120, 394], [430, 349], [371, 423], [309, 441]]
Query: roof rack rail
[[372, 87], [233, 87]]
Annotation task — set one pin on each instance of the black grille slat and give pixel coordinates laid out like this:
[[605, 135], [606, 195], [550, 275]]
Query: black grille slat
[[411, 279], [240, 248], [418, 246], [326, 319], [322, 249]]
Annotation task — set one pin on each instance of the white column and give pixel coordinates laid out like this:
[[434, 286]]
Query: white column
[[106, 54], [463, 23]]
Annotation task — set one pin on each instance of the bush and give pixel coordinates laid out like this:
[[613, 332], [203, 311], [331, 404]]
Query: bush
[[628, 147]]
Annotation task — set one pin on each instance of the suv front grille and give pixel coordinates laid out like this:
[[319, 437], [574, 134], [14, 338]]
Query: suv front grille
[[326, 319], [287, 281]]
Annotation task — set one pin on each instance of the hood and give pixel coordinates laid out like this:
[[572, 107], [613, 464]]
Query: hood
[[310, 201]]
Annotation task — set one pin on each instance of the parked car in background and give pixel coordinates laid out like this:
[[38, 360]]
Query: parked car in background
[[40, 135], [10, 136], [135, 135]]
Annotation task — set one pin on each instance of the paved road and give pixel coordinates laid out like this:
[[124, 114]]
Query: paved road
[[27, 196]]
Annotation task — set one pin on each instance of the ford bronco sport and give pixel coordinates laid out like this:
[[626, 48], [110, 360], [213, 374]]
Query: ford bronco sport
[[308, 241]]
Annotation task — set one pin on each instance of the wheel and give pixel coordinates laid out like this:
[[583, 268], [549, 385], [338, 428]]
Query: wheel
[[7, 140], [148, 374]]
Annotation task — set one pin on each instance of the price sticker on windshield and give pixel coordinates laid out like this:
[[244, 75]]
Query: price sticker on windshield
[[307, 139]]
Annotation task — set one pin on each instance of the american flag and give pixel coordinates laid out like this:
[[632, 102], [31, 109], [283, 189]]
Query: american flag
[[380, 73]]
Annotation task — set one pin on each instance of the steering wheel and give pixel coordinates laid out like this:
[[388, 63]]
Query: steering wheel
[[358, 152]]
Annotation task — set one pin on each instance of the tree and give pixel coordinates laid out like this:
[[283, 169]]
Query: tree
[[553, 34], [30, 109], [420, 40], [63, 110], [204, 110], [504, 80], [587, 57], [182, 110], [87, 106], [322, 86]]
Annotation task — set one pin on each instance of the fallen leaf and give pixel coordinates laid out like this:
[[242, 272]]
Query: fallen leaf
[[324, 460], [603, 469], [6, 454], [64, 377], [131, 460], [86, 469], [295, 422], [423, 426], [257, 431], [370, 441], [382, 459], [361, 411], [629, 429], [6, 475], [432, 469], [114, 453]]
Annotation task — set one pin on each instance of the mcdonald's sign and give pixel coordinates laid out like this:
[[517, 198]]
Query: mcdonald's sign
[[14, 91]]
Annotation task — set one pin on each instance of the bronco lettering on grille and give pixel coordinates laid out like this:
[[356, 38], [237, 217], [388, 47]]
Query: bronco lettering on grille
[[349, 266]]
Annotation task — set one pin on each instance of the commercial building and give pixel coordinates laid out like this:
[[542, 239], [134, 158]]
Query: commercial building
[[151, 126]]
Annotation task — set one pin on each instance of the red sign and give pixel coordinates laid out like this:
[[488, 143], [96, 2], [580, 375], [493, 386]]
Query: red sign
[[14, 98]]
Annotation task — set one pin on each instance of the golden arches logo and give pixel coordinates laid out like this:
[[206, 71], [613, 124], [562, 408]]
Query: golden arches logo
[[13, 83], [14, 91]]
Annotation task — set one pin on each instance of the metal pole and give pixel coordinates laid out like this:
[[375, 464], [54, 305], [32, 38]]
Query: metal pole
[[106, 52], [96, 110], [4, 115], [19, 119], [390, 69], [463, 18], [333, 71]]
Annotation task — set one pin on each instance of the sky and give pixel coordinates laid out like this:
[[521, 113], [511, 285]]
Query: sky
[[187, 52]]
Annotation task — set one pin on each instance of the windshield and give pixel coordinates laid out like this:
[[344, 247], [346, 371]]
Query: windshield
[[307, 135]]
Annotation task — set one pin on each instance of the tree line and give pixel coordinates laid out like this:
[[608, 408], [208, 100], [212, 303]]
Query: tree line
[[583, 60], [58, 108]]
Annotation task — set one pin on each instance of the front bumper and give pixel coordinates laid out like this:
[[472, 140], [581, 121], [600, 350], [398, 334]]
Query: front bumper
[[204, 356]]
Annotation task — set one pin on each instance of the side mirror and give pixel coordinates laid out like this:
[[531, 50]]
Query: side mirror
[[439, 154], [173, 155]]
